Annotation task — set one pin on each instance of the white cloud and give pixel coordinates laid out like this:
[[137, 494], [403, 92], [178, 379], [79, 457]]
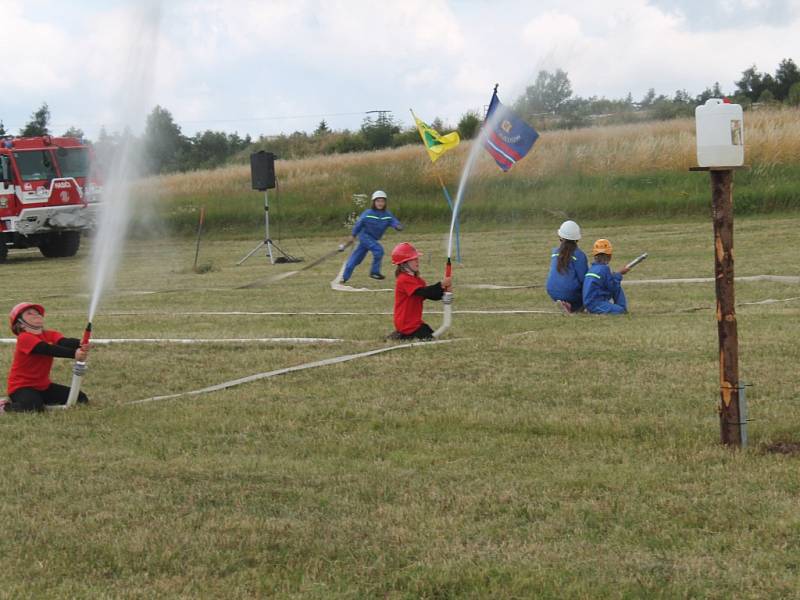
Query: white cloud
[[41, 52], [635, 46], [220, 61]]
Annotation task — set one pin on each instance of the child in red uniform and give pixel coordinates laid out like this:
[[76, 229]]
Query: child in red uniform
[[29, 385], [410, 292]]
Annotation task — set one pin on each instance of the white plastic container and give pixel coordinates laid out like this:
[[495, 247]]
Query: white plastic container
[[720, 134]]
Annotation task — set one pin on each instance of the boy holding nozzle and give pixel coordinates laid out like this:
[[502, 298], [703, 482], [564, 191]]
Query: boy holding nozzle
[[602, 289]]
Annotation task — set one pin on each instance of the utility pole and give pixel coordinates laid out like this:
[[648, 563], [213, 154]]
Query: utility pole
[[381, 118], [732, 412]]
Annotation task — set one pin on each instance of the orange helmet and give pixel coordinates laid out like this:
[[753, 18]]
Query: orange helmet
[[602, 246], [404, 252], [19, 309]]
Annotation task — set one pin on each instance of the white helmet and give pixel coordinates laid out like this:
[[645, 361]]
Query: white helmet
[[569, 230], [379, 194]]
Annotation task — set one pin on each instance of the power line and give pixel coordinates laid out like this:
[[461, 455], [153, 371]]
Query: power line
[[317, 116]]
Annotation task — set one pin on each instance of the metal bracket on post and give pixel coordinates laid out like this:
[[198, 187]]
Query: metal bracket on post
[[743, 413]]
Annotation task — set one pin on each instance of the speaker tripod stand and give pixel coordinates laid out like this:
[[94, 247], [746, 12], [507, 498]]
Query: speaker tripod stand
[[285, 256]]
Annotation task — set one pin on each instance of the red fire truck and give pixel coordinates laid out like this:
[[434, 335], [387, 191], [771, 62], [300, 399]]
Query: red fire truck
[[47, 196]]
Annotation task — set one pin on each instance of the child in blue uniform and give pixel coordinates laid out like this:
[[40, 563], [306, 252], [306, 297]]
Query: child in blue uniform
[[602, 289], [568, 266], [369, 228]]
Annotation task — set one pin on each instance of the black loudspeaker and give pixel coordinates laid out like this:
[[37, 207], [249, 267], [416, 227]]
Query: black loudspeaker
[[262, 170]]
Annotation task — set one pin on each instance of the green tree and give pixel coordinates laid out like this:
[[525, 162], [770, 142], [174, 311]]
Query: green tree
[[2, 129], [786, 76], [576, 112], [164, 144], [712, 92], [73, 132], [322, 129], [752, 84], [348, 141], [468, 125], [208, 150], [628, 100], [767, 97], [792, 98], [378, 133], [38, 123], [648, 98], [682, 97], [405, 137], [548, 93]]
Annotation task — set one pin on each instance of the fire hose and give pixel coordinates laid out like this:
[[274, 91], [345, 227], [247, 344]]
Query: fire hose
[[78, 370], [447, 302], [447, 298]]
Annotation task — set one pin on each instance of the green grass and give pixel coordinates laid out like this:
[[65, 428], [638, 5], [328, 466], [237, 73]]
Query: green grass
[[538, 456], [614, 172], [489, 203]]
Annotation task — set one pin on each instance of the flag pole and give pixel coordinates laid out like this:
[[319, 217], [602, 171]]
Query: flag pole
[[447, 297]]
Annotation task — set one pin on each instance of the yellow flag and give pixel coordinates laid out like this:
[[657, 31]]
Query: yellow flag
[[435, 144]]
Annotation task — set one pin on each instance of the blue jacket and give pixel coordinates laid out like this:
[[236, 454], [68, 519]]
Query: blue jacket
[[568, 285], [600, 285], [373, 223]]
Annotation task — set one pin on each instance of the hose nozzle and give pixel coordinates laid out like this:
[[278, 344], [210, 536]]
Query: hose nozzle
[[87, 334]]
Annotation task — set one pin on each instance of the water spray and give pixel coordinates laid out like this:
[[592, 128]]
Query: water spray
[[477, 146], [116, 205], [78, 370]]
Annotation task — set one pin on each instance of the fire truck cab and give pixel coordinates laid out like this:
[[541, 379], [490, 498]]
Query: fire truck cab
[[47, 194]]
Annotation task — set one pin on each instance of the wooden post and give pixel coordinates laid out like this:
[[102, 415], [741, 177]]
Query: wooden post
[[722, 215]]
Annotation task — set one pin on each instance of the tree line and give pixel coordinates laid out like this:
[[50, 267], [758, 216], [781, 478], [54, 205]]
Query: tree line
[[548, 103]]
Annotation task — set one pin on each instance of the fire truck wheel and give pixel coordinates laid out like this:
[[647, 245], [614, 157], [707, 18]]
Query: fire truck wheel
[[63, 243], [3, 248]]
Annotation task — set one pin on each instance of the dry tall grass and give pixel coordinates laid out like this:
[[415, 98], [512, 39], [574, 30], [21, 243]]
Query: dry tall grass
[[772, 138]]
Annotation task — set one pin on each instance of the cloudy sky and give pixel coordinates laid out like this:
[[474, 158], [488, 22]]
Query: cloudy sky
[[271, 66]]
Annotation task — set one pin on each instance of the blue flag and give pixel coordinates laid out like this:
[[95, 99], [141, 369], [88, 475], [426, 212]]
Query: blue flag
[[511, 138]]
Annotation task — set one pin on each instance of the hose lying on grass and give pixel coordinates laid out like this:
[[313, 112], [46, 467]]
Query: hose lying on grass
[[301, 367]]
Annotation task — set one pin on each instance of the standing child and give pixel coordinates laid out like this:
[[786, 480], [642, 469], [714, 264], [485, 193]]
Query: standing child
[[410, 292], [602, 289], [29, 385], [369, 228], [568, 266]]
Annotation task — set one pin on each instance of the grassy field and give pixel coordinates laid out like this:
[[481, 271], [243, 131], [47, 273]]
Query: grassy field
[[536, 455], [599, 173]]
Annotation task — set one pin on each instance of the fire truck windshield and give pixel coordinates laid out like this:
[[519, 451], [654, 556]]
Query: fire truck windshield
[[74, 162], [35, 165]]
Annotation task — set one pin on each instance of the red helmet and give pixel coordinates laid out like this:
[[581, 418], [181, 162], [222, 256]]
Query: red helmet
[[19, 309], [404, 252]]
